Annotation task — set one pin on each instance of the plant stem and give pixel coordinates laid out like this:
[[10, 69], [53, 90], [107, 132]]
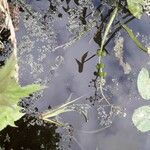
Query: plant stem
[[8, 22]]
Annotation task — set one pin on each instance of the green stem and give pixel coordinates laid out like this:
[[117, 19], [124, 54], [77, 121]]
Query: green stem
[[114, 13]]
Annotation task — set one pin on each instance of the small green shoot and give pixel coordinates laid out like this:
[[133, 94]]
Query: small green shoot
[[134, 38], [67, 107]]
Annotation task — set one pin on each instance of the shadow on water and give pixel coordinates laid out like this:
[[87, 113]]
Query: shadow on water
[[30, 135]]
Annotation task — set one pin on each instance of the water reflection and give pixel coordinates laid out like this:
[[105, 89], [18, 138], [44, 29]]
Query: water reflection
[[30, 135]]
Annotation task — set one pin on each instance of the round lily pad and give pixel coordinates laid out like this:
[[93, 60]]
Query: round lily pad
[[143, 84], [141, 118]]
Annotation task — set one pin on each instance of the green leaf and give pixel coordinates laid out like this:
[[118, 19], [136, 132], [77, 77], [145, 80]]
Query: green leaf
[[10, 94], [141, 118], [10, 90], [7, 70], [135, 7], [8, 115], [134, 38], [143, 84]]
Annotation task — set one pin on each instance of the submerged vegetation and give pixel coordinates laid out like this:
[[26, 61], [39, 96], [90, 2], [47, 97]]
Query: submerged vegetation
[[106, 20]]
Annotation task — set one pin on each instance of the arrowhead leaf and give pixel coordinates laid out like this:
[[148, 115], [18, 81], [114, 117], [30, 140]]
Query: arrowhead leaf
[[80, 65], [84, 56]]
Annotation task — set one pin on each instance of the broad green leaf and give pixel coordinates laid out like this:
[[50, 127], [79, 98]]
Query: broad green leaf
[[135, 7], [143, 84], [15, 92], [7, 70], [141, 118], [8, 115], [134, 38], [10, 94], [10, 90]]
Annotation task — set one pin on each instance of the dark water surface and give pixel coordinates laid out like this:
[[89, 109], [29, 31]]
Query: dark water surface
[[64, 80]]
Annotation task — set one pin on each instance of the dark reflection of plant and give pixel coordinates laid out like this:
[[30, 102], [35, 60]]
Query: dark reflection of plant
[[29, 136]]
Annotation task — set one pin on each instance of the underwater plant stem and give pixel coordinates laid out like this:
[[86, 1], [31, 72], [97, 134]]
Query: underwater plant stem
[[108, 27], [117, 29], [93, 131], [8, 22], [81, 147], [90, 58], [49, 114], [112, 17], [101, 89], [107, 31]]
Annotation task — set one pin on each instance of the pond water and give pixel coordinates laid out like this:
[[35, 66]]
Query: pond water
[[58, 70]]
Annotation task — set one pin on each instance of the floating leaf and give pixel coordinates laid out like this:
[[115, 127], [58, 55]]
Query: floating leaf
[[134, 38], [141, 118], [135, 7], [143, 84]]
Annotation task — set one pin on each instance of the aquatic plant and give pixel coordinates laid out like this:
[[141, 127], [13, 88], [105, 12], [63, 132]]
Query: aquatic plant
[[66, 107], [10, 94], [83, 16], [141, 115]]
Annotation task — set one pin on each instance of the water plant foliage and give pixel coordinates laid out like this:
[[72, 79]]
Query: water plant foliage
[[10, 94], [134, 38], [135, 7], [141, 116], [66, 107], [143, 84], [81, 19]]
